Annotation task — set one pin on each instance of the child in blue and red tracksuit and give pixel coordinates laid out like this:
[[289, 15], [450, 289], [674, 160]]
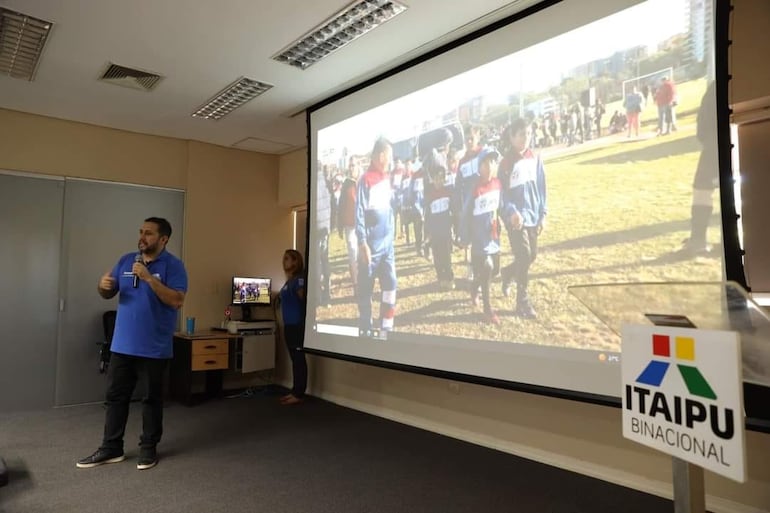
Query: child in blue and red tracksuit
[[439, 208], [375, 232], [523, 211], [480, 227]]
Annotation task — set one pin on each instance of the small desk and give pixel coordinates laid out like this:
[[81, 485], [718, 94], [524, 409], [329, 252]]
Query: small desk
[[214, 352], [207, 351]]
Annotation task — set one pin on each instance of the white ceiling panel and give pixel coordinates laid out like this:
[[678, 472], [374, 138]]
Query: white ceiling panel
[[200, 47]]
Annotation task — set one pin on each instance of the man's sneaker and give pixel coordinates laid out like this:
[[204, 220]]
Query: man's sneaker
[[100, 457], [148, 458]]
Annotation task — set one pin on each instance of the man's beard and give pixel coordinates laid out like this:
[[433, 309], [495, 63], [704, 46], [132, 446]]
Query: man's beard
[[149, 249]]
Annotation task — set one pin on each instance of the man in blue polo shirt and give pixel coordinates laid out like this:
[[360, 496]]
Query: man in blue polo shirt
[[152, 285]]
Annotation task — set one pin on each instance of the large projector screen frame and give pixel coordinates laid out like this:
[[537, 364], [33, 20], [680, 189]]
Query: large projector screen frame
[[733, 266]]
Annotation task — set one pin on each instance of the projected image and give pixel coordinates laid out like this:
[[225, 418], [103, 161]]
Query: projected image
[[467, 209], [251, 290]]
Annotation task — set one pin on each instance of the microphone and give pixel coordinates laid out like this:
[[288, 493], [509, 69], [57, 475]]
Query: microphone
[[137, 258]]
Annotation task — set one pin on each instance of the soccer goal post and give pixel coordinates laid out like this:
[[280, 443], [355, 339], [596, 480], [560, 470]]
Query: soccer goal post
[[651, 80]]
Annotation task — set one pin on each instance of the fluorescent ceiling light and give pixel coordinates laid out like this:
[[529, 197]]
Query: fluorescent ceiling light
[[347, 25], [230, 98], [22, 39]]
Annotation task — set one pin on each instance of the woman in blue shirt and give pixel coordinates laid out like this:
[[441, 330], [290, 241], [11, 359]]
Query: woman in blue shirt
[[293, 311]]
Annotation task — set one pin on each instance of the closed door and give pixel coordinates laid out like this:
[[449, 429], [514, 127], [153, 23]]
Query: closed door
[[30, 239], [101, 223]]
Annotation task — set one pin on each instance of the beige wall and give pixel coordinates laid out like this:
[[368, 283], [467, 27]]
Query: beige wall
[[751, 95], [750, 32], [754, 152], [233, 223], [292, 189], [56, 147]]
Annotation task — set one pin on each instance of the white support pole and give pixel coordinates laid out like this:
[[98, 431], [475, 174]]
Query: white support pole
[[689, 489]]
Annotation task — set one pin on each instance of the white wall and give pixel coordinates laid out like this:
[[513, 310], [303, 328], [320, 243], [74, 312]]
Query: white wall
[[292, 189]]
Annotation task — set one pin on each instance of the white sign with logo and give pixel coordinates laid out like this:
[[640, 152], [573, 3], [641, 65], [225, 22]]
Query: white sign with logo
[[683, 395]]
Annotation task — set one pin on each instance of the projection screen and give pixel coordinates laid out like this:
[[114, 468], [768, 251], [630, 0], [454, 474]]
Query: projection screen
[[454, 203]]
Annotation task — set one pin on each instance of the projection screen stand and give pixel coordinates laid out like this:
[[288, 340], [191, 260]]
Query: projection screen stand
[[706, 305]]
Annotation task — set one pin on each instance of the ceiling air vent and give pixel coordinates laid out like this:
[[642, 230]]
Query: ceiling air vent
[[22, 39], [130, 77]]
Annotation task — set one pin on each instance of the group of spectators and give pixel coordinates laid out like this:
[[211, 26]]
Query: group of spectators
[[665, 97], [571, 124]]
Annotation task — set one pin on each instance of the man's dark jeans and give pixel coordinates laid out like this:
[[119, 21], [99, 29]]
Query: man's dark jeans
[[124, 373]]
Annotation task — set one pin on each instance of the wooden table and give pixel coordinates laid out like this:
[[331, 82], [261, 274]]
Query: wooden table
[[205, 351]]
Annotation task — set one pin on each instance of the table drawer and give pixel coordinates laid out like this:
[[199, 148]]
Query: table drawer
[[212, 346], [209, 362]]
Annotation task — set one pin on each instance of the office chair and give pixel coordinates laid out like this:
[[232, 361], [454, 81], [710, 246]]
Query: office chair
[[108, 324]]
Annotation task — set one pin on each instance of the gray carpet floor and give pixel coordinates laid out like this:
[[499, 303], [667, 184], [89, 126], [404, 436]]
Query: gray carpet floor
[[254, 455]]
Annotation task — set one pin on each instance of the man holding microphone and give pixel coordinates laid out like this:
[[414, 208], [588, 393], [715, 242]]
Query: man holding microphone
[[151, 285]]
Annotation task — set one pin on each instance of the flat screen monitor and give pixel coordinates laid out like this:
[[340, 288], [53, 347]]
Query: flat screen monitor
[[251, 290]]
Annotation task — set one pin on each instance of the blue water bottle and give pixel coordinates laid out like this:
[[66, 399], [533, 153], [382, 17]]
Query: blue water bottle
[[190, 325]]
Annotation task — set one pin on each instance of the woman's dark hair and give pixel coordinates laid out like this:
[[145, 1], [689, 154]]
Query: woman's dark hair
[[297, 257]]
